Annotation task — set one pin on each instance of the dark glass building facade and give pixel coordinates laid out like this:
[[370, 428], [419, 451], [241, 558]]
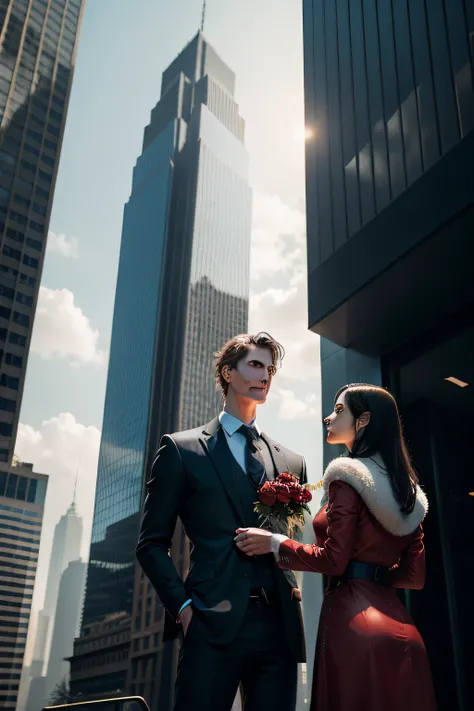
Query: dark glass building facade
[[22, 497], [390, 214], [182, 291], [37, 52]]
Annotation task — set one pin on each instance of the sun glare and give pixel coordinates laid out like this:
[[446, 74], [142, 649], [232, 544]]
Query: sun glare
[[304, 133]]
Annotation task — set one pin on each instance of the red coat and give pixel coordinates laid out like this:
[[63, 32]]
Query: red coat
[[370, 656]]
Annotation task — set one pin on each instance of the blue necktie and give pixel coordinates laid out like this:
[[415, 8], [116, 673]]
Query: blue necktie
[[253, 461]]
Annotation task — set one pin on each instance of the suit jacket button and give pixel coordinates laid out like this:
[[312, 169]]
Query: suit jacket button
[[246, 575]]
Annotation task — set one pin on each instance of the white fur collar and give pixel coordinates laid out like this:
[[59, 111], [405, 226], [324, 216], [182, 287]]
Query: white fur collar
[[372, 484]]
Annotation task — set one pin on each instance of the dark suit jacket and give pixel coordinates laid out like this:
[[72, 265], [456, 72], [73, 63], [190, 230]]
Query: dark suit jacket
[[193, 478]]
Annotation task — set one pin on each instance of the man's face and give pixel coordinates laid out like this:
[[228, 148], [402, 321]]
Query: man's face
[[252, 376]]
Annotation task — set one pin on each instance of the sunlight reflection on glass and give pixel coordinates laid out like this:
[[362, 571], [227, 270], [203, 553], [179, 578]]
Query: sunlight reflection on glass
[[304, 133]]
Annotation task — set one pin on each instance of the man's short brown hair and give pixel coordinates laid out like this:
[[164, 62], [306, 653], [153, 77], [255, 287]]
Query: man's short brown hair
[[236, 348]]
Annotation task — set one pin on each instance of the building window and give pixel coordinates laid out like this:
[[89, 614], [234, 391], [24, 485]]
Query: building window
[[7, 158], [44, 176], [22, 487], [7, 381], [4, 196], [26, 185], [6, 291], [21, 200], [28, 166], [36, 226], [33, 134], [30, 261], [34, 244], [53, 129], [17, 361], [6, 429], [21, 319], [10, 252], [24, 299], [5, 313], [17, 339], [15, 234], [32, 491], [31, 149], [12, 483], [13, 273], [40, 209], [21, 219], [42, 193], [7, 405]]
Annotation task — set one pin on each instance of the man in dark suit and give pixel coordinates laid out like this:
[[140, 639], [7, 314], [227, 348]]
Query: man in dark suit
[[240, 615]]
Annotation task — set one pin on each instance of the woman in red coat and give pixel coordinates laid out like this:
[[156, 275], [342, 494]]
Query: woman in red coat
[[370, 656]]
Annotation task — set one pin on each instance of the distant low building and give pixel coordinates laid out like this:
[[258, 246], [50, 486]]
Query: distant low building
[[100, 660]]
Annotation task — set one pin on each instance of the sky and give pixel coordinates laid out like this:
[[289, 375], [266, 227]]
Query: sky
[[123, 48]]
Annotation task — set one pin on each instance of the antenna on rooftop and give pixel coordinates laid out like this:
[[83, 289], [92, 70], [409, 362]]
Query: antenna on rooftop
[[203, 15]]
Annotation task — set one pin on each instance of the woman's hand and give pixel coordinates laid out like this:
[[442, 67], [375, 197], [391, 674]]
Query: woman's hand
[[254, 541]]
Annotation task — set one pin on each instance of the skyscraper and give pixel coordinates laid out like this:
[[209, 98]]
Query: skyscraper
[[37, 51], [389, 95], [66, 623], [22, 496], [182, 290], [65, 549]]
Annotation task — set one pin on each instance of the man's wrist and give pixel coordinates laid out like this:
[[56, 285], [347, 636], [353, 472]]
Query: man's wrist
[[183, 607]]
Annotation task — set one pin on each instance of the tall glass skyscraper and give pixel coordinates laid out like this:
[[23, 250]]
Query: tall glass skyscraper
[[182, 290], [37, 51]]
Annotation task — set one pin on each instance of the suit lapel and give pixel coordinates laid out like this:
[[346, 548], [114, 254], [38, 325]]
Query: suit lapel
[[215, 445], [279, 460]]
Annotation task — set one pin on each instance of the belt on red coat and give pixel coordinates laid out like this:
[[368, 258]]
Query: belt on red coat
[[367, 571]]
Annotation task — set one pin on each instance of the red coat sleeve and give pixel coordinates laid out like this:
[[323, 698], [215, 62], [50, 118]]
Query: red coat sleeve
[[410, 572], [333, 557]]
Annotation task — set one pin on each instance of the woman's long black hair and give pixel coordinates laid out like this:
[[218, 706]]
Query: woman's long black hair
[[383, 435]]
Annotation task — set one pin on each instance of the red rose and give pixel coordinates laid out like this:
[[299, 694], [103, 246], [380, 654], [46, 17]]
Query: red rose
[[283, 493], [286, 478], [307, 496], [267, 494], [296, 494]]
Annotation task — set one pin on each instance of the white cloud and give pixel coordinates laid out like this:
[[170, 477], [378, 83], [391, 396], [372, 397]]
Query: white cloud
[[65, 246], [278, 304], [290, 407], [61, 330], [60, 448], [277, 236], [283, 313]]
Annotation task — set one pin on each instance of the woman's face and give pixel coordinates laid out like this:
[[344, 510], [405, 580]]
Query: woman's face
[[341, 424]]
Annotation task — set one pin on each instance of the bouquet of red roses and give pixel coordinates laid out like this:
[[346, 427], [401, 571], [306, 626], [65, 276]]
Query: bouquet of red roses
[[282, 504]]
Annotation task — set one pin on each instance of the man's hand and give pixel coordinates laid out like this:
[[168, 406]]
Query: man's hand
[[254, 541], [185, 617]]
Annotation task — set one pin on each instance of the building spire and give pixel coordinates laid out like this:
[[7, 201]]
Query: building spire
[[73, 505], [203, 15]]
